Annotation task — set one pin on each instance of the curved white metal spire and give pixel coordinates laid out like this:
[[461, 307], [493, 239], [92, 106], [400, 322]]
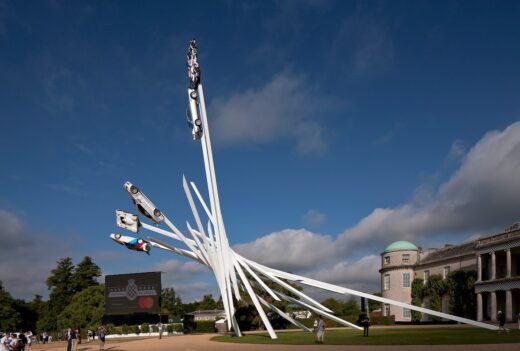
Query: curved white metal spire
[[233, 272]]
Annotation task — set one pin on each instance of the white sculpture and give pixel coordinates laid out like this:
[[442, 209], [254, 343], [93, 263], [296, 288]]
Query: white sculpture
[[209, 244]]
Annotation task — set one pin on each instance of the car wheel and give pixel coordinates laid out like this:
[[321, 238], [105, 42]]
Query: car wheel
[[198, 122], [156, 212], [134, 190], [117, 236]]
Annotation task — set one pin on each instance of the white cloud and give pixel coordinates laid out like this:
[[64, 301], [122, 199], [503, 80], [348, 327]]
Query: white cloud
[[361, 274], [457, 151], [482, 195], [291, 249], [191, 292], [27, 257], [284, 108], [313, 255], [175, 270], [314, 218]]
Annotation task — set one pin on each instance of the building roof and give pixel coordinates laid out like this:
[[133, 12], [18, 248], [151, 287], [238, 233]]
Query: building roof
[[449, 252], [207, 312], [400, 246]]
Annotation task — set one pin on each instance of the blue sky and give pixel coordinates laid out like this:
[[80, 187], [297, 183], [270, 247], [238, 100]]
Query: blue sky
[[336, 125]]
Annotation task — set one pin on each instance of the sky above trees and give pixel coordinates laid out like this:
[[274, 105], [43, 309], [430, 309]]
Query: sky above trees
[[338, 127]]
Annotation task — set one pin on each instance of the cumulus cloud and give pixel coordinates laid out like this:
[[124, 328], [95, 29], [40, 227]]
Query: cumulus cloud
[[313, 255], [361, 274], [27, 257], [314, 218], [291, 249], [284, 108], [175, 270], [482, 195], [189, 279]]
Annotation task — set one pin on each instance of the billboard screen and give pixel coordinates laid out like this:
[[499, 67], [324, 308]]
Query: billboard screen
[[133, 293]]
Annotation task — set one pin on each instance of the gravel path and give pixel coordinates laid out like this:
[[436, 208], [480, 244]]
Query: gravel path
[[202, 342]]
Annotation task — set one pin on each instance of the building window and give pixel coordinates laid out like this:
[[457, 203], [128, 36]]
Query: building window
[[406, 280], [407, 313], [387, 310], [445, 272], [406, 258], [386, 282], [387, 259], [426, 276]]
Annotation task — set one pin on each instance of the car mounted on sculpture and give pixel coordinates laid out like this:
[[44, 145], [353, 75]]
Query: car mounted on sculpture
[[143, 204], [192, 115], [127, 221], [131, 243]]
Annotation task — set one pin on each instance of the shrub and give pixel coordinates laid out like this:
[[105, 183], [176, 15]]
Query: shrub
[[145, 328], [178, 328], [169, 328], [127, 329], [382, 320], [136, 329], [111, 329], [205, 327]]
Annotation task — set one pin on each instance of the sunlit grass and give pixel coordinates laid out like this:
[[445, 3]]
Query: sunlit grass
[[385, 336]]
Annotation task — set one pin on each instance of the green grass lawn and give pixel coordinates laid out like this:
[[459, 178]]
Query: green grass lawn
[[385, 336]]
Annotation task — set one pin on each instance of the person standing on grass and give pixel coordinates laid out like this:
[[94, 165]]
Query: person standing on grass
[[320, 330], [365, 321], [502, 322]]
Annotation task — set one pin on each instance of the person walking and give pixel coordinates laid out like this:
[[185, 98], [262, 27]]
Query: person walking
[[68, 338], [320, 330], [101, 335], [77, 332], [159, 328]]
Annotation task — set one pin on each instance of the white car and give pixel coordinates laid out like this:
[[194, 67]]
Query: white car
[[143, 204], [192, 114], [131, 243], [127, 221]]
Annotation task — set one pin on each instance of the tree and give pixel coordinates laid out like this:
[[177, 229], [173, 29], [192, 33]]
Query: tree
[[350, 307], [207, 303], [85, 274], [334, 305], [86, 309], [62, 289], [374, 305], [28, 315], [417, 296], [434, 288], [171, 303], [342, 308], [462, 293], [9, 317]]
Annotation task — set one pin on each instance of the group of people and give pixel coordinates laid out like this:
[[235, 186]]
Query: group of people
[[73, 338], [21, 341]]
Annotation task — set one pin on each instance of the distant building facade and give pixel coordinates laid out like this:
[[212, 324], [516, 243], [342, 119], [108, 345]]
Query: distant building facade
[[496, 259], [207, 315]]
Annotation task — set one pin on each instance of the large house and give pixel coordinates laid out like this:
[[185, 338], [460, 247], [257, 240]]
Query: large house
[[496, 259]]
